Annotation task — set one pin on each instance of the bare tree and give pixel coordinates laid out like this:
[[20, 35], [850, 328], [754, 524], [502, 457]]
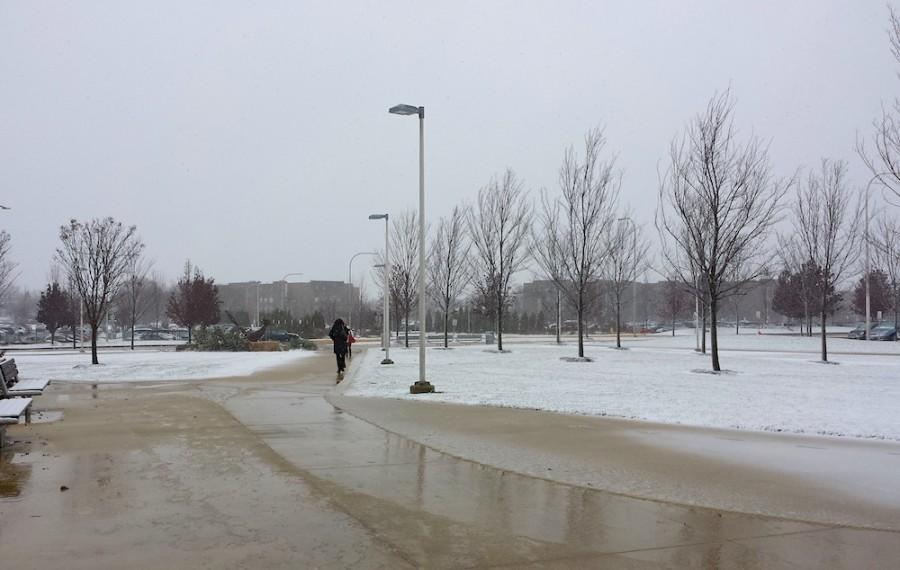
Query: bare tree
[[405, 267], [717, 204], [887, 255], [826, 230], [884, 164], [675, 300], [571, 244], [7, 266], [157, 295], [499, 226], [135, 295], [449, 270], [96, 256], [626, 259]]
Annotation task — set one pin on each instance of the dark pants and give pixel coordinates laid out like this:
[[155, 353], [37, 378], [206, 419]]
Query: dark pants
[[340, 361], [350, 352]]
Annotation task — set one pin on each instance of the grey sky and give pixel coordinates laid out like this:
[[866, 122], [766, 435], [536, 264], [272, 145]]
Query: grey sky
[[254, 138]]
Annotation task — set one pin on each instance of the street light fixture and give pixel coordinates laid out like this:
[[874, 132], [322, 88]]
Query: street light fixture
[[350, 284], [633, 277], [421, 385], [386, 325]]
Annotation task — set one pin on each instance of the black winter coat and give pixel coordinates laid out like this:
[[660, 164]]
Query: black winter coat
[[338, 336]]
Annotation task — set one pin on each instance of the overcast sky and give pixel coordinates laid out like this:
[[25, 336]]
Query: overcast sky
[[254, 138]]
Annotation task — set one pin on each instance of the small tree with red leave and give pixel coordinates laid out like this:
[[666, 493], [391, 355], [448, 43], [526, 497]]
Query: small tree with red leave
[[879, 294], [195, 301], [55, 309], [787, 299]]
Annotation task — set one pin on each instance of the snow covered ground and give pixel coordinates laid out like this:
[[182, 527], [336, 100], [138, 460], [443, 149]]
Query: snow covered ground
[[146, 365], [775, 383]]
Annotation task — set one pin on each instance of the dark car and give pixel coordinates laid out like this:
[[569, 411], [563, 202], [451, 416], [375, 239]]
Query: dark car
[[884, 332], [281, 336], [859, 332]]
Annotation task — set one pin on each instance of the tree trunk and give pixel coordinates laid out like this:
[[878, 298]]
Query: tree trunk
[[618, 323], [132, 335], [714, 334], [406, 327], [580, 324], [824, 345], [499, 326], [673, 325], [703, 330], [53, 337], [558, 317], [94, 328], [446, 328], [190, 329]]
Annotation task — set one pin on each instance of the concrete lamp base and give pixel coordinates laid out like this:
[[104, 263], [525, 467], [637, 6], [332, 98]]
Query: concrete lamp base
[[421, 387], [387, 361]]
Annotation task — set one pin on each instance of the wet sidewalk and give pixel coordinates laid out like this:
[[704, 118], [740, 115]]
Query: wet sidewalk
[[265, 473], [440, 511]]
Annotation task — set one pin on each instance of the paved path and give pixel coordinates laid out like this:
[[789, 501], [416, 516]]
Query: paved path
[[265, 473]]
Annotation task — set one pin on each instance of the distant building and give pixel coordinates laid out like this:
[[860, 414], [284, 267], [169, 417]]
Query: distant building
[[331, 298]]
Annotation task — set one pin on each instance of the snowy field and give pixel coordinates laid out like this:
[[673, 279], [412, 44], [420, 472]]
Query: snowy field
[[775, 382], [146, 365]]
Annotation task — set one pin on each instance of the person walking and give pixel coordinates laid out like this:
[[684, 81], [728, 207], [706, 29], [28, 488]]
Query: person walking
[[350, 340], [338, 335]]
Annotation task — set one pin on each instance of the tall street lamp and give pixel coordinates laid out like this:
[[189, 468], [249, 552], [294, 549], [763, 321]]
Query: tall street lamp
[[421, 386], [868, 267], [386, 325], [284, 296], [633, 277], [350, 284]]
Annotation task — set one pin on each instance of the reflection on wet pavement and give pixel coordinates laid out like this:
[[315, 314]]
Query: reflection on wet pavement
[[445, 512], [265, 473]]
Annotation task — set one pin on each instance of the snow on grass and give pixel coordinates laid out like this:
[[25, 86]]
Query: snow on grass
[[128, 366], [765, 389]]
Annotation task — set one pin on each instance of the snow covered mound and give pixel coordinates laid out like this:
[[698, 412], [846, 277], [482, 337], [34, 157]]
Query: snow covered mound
[[764, 389], [135, 366]]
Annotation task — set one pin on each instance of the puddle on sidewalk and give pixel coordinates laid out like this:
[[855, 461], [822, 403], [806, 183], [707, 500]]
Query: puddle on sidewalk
[[14, 474]]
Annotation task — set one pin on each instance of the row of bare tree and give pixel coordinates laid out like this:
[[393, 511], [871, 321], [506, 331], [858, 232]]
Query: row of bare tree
[[576, 237], [106, 271]]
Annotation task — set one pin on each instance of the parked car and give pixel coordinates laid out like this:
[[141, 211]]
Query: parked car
[[859, 331], [281, 335], [884, 332]]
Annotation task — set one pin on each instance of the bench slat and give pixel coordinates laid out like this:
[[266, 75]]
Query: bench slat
[[27, 385], [13, 407]]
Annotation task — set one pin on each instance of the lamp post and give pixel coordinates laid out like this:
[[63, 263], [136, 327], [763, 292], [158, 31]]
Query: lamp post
[[284, 297], [633, 277], [257, 303], [868, 268], [421, 385], [350, 283], [386, 325]]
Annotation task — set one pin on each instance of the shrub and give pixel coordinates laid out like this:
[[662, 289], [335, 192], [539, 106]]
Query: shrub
[[303, 343], [216, 340]]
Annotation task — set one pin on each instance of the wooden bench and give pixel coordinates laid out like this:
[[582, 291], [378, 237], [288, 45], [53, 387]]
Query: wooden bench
[[10, 412], [12, 387], [13, 408]]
